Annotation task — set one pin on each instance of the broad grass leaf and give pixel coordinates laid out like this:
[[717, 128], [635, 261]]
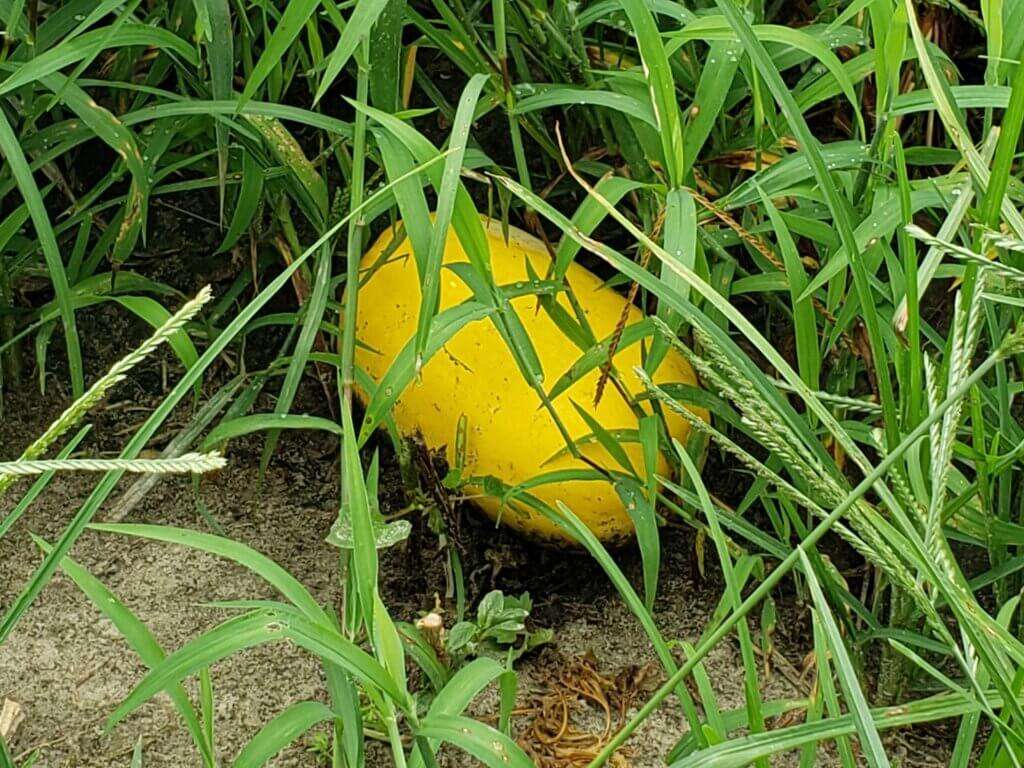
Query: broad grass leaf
[[139, 638], [242, 554], [277, 734], [259, 422], [488, 745]]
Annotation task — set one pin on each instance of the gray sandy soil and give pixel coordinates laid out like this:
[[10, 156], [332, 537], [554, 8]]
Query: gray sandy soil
[[68, 667]]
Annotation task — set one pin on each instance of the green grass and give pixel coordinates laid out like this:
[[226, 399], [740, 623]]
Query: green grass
[[820, 207]]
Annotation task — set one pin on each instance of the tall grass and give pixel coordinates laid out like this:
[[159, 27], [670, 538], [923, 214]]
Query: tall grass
[[811, 203]]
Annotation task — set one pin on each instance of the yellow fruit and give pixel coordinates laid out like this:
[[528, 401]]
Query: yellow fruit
[[509, 435]]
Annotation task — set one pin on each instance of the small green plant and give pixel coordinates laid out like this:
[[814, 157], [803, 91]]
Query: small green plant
[[499, 630], [319, 746]]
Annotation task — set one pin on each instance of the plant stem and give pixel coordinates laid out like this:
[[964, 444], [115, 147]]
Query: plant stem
[[355, 231]]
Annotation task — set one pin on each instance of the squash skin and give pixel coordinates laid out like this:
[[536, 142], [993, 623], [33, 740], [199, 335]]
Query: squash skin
[[509, 435]]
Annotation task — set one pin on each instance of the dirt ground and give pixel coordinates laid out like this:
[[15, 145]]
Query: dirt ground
[[68, 667]]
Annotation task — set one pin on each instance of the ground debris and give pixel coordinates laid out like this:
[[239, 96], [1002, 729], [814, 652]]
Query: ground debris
[[11, 716], [578, 709]]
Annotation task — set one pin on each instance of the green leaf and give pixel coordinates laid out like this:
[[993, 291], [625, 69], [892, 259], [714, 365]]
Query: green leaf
[[490, 607], [870, 742], [356, 510], [587, 216], [640, 508], [288, 151], [388, 646], [314, 308], [246, 631], [459, 636], [156, 315], [384, 534], [293, 19], [446, 197], [258, 422], [221, 56], [609, 443], [410, 196], [356, 28], [719, 28], [82, 47], [680, 241], [246, 556], [233, 635], [386, 45], [597, 355], [250, 193], [139, 638], [805, 322], [402, 370], [716, 77], [662, 87], [547, 96], [742, 751], [285, 728], [11, 150], [488, 745]]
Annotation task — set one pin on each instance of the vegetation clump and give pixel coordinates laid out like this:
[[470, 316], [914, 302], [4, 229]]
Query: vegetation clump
[[774, 296]]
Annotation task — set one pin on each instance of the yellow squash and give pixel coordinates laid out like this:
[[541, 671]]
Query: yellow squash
[[509, 435]]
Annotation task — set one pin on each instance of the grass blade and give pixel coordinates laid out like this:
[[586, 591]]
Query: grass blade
[[356, 29], [446, 195], [292, 20], [239, 553], [281, 731], [141, 640], [488, 745], [662, 87], [870, 742], [11, 150]]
